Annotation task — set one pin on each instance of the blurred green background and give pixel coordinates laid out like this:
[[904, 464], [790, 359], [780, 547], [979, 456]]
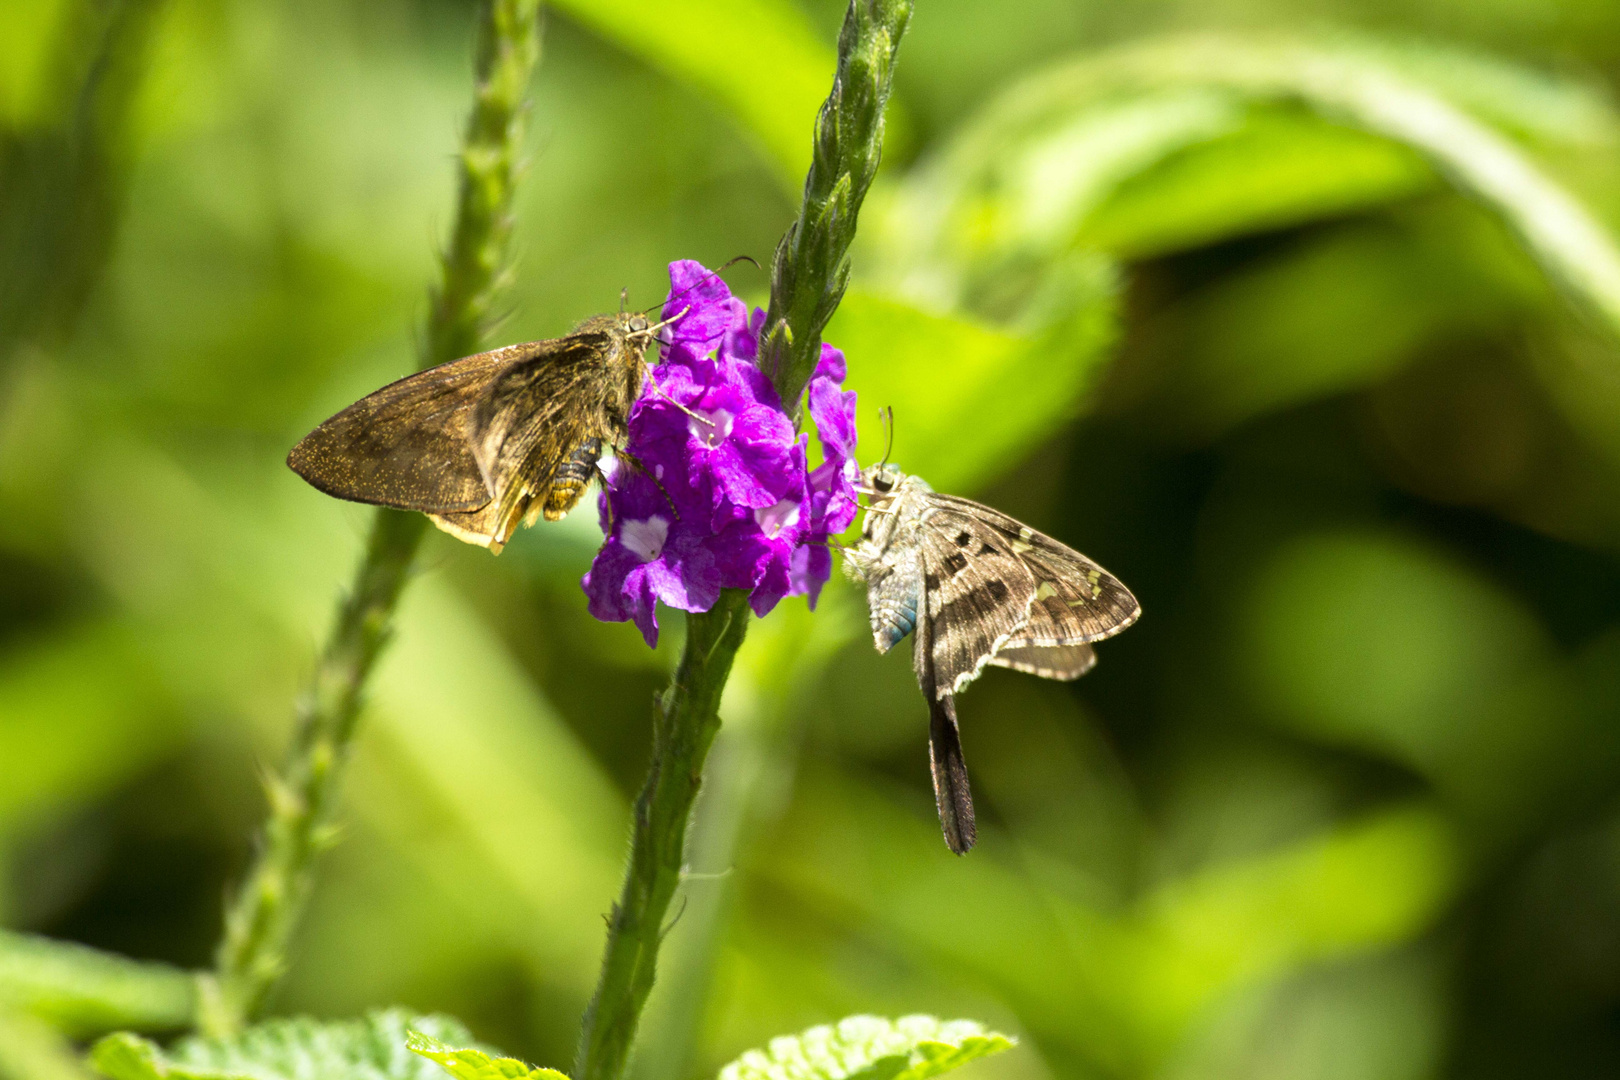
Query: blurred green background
[[1299, 315]]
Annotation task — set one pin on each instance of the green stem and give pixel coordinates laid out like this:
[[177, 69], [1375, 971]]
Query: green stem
[[261, 917], [685, 721], [811, 268], [808, 276]]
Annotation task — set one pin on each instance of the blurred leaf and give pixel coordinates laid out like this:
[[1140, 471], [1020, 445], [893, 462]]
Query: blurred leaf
[[870, 1048], [1279, 169], [1338, 313], [984, 217], [477, 759], [80, 711], [969, 398], [31, 1050], [762, 59], [83, 991], [25, 29], [1562, 108], [470, 1064], [373, 1048], [64, 179], [1013, 185], [1121, 990], [1366, 884], [1379, 642], [1375, 1018], [1378, 639]]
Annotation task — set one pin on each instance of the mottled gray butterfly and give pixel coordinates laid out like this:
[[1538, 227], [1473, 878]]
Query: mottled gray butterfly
[[978, 588]]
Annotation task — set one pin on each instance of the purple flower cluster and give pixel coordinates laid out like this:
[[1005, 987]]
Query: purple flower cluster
[[716, 494]]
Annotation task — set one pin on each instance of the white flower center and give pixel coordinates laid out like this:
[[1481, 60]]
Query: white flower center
[[710, 428], [645, 539], [773, 519]]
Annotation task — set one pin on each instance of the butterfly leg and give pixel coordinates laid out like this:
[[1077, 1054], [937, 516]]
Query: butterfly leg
[[648, 380], [636, 464]]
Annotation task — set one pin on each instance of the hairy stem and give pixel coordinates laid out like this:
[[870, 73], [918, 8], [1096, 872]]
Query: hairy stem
[[262, 915], [808, 276], [811, 268], [685, 721]]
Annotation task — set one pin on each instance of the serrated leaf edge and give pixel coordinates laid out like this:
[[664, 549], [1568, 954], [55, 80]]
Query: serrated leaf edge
[[442, 1054]]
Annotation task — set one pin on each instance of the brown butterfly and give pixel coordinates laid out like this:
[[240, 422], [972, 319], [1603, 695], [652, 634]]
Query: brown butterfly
[[484, 442], [978, 588]]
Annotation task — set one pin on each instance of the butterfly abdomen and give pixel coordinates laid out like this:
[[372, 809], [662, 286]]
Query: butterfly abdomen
[[890, 627], [573, 476]]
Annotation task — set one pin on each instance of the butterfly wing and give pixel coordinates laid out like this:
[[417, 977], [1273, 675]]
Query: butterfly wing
[[406, 445], [1063, 662], [978, 592], [1075, 601], [953, 796], [543, 416]]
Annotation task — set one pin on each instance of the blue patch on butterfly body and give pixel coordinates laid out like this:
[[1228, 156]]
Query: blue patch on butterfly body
[[903, 623]]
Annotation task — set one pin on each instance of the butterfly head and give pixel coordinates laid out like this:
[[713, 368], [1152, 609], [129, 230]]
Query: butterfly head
[[636, 326], [882, 481], [884, 485]]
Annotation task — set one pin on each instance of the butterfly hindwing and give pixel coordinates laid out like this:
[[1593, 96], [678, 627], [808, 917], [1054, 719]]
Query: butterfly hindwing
[[1062, 662], [536, 414]]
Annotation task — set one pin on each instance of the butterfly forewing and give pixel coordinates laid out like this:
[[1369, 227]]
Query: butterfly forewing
[[484, 442], [406, 444], [978, 592], [1075, 599]]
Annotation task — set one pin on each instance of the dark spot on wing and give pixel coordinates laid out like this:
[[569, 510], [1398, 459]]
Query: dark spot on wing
[[987, 549], [963, 539], [954, 563], [931, 582], [997, 589]]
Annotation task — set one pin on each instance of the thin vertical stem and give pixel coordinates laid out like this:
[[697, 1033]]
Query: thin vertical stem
[[264, 912], [809, 274], [811, 267], [685, 721]]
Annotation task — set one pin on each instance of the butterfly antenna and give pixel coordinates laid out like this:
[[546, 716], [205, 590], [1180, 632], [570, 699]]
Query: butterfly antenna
[[624, 299], [886, 418]]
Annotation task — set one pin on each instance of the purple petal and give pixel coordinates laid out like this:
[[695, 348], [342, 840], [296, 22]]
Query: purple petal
[[704, 311], [810, 569], [833, 410], [618, 589]]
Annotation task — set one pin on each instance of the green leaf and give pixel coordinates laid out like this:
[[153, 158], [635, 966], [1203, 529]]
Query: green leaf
[[970, 398], [373, 1048], [870, 1048], [1281, 168], [1024, 179], [468, 1063], [762, 59]]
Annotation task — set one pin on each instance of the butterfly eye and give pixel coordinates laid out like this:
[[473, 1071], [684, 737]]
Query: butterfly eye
[[883, 484]]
